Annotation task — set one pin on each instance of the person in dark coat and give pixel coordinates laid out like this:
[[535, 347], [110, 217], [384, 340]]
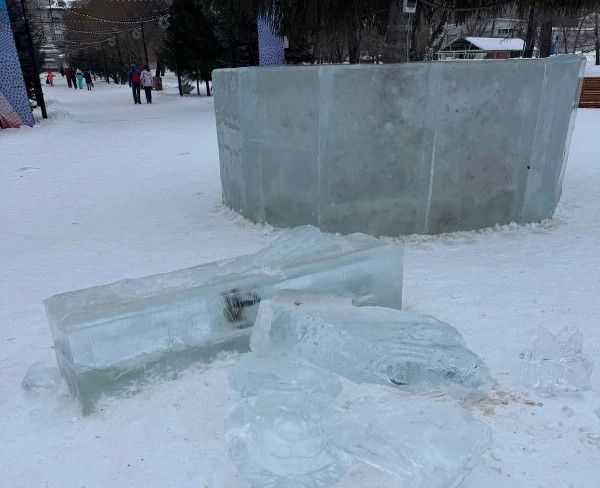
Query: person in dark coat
[[67, 73], [88, 80]]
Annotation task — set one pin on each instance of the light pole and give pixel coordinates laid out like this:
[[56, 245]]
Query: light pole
[[145, 47], [37, 85]]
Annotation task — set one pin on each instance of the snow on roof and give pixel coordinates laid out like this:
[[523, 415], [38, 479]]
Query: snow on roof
[[497, 43]]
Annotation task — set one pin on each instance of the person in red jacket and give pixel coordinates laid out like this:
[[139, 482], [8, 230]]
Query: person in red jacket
[[134, 81]]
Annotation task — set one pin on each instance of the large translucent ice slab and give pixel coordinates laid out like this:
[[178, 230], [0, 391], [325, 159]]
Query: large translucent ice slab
[[556, 363], [368, 344], [109, 337], [298, 429]]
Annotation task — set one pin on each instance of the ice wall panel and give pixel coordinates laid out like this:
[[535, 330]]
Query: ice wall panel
[[287, 142], [227, 111], [561, 87], [374, 149], [399, 149], [478, 167]]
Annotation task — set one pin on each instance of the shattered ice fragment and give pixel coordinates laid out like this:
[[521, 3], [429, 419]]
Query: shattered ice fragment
[[278, 440], [111, 337], [418, 441], [368, 344], [556, 363], [298, 429], [253, 375], [38, 377]]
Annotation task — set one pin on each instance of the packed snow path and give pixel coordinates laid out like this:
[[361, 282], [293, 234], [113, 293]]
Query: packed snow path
[[106, 189]]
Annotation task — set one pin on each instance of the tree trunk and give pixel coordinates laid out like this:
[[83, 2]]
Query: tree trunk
[[198, 82], [158, 64], [207, 87], [597, 36], [546, 39], [353, 45], [530, 36], [396, 48], [578, 35]]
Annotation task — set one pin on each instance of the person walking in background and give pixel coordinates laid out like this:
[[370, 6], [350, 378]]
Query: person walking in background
[[134, 83], [73, 78], [79, 77], [146, 79], [67, 72], [88, 79], [50, 78]]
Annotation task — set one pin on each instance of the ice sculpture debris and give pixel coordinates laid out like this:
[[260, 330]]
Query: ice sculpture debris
[[279, 440], [291, 431], [108, 338], [38, 377], [368, 344], [420, 442], [253, 375], [556, 363]]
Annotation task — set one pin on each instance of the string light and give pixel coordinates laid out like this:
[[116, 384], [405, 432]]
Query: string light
[[140, 20], [79, 31]]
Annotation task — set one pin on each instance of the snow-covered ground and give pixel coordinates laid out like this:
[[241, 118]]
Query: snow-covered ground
[[106, 189]]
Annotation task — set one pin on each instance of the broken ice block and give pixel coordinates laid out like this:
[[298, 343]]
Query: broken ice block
[[368, 344], [557, 364], [253, 375], [301, 430], [108, 338], [419, 442], [38, 377], [278, 440]]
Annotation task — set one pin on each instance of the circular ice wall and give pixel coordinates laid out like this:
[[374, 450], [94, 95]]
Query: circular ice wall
[[400, 148]]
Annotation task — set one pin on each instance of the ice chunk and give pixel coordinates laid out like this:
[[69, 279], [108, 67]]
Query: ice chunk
[[253, 375], [38, 377], [292, 433], [368, 344], [111, 337], [557, 364], [420, 442], [278, 440]]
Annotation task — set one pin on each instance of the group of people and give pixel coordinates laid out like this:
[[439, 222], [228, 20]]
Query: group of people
[[138, 79], [75, 79]]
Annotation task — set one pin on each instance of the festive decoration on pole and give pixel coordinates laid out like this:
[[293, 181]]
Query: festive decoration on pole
[[271, 51], [14, 104]]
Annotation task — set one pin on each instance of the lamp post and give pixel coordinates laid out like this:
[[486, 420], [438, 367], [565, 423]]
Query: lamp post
[[37, 85], [144, 41]]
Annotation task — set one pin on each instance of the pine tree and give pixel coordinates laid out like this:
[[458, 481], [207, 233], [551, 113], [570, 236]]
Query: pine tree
[[191, 43]]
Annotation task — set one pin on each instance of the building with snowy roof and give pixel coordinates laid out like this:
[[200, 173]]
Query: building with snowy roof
[[482, 48]]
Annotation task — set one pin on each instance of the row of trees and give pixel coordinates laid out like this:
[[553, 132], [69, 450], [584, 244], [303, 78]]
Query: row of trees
[[332, 30], [187, 36], [194, 37]]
